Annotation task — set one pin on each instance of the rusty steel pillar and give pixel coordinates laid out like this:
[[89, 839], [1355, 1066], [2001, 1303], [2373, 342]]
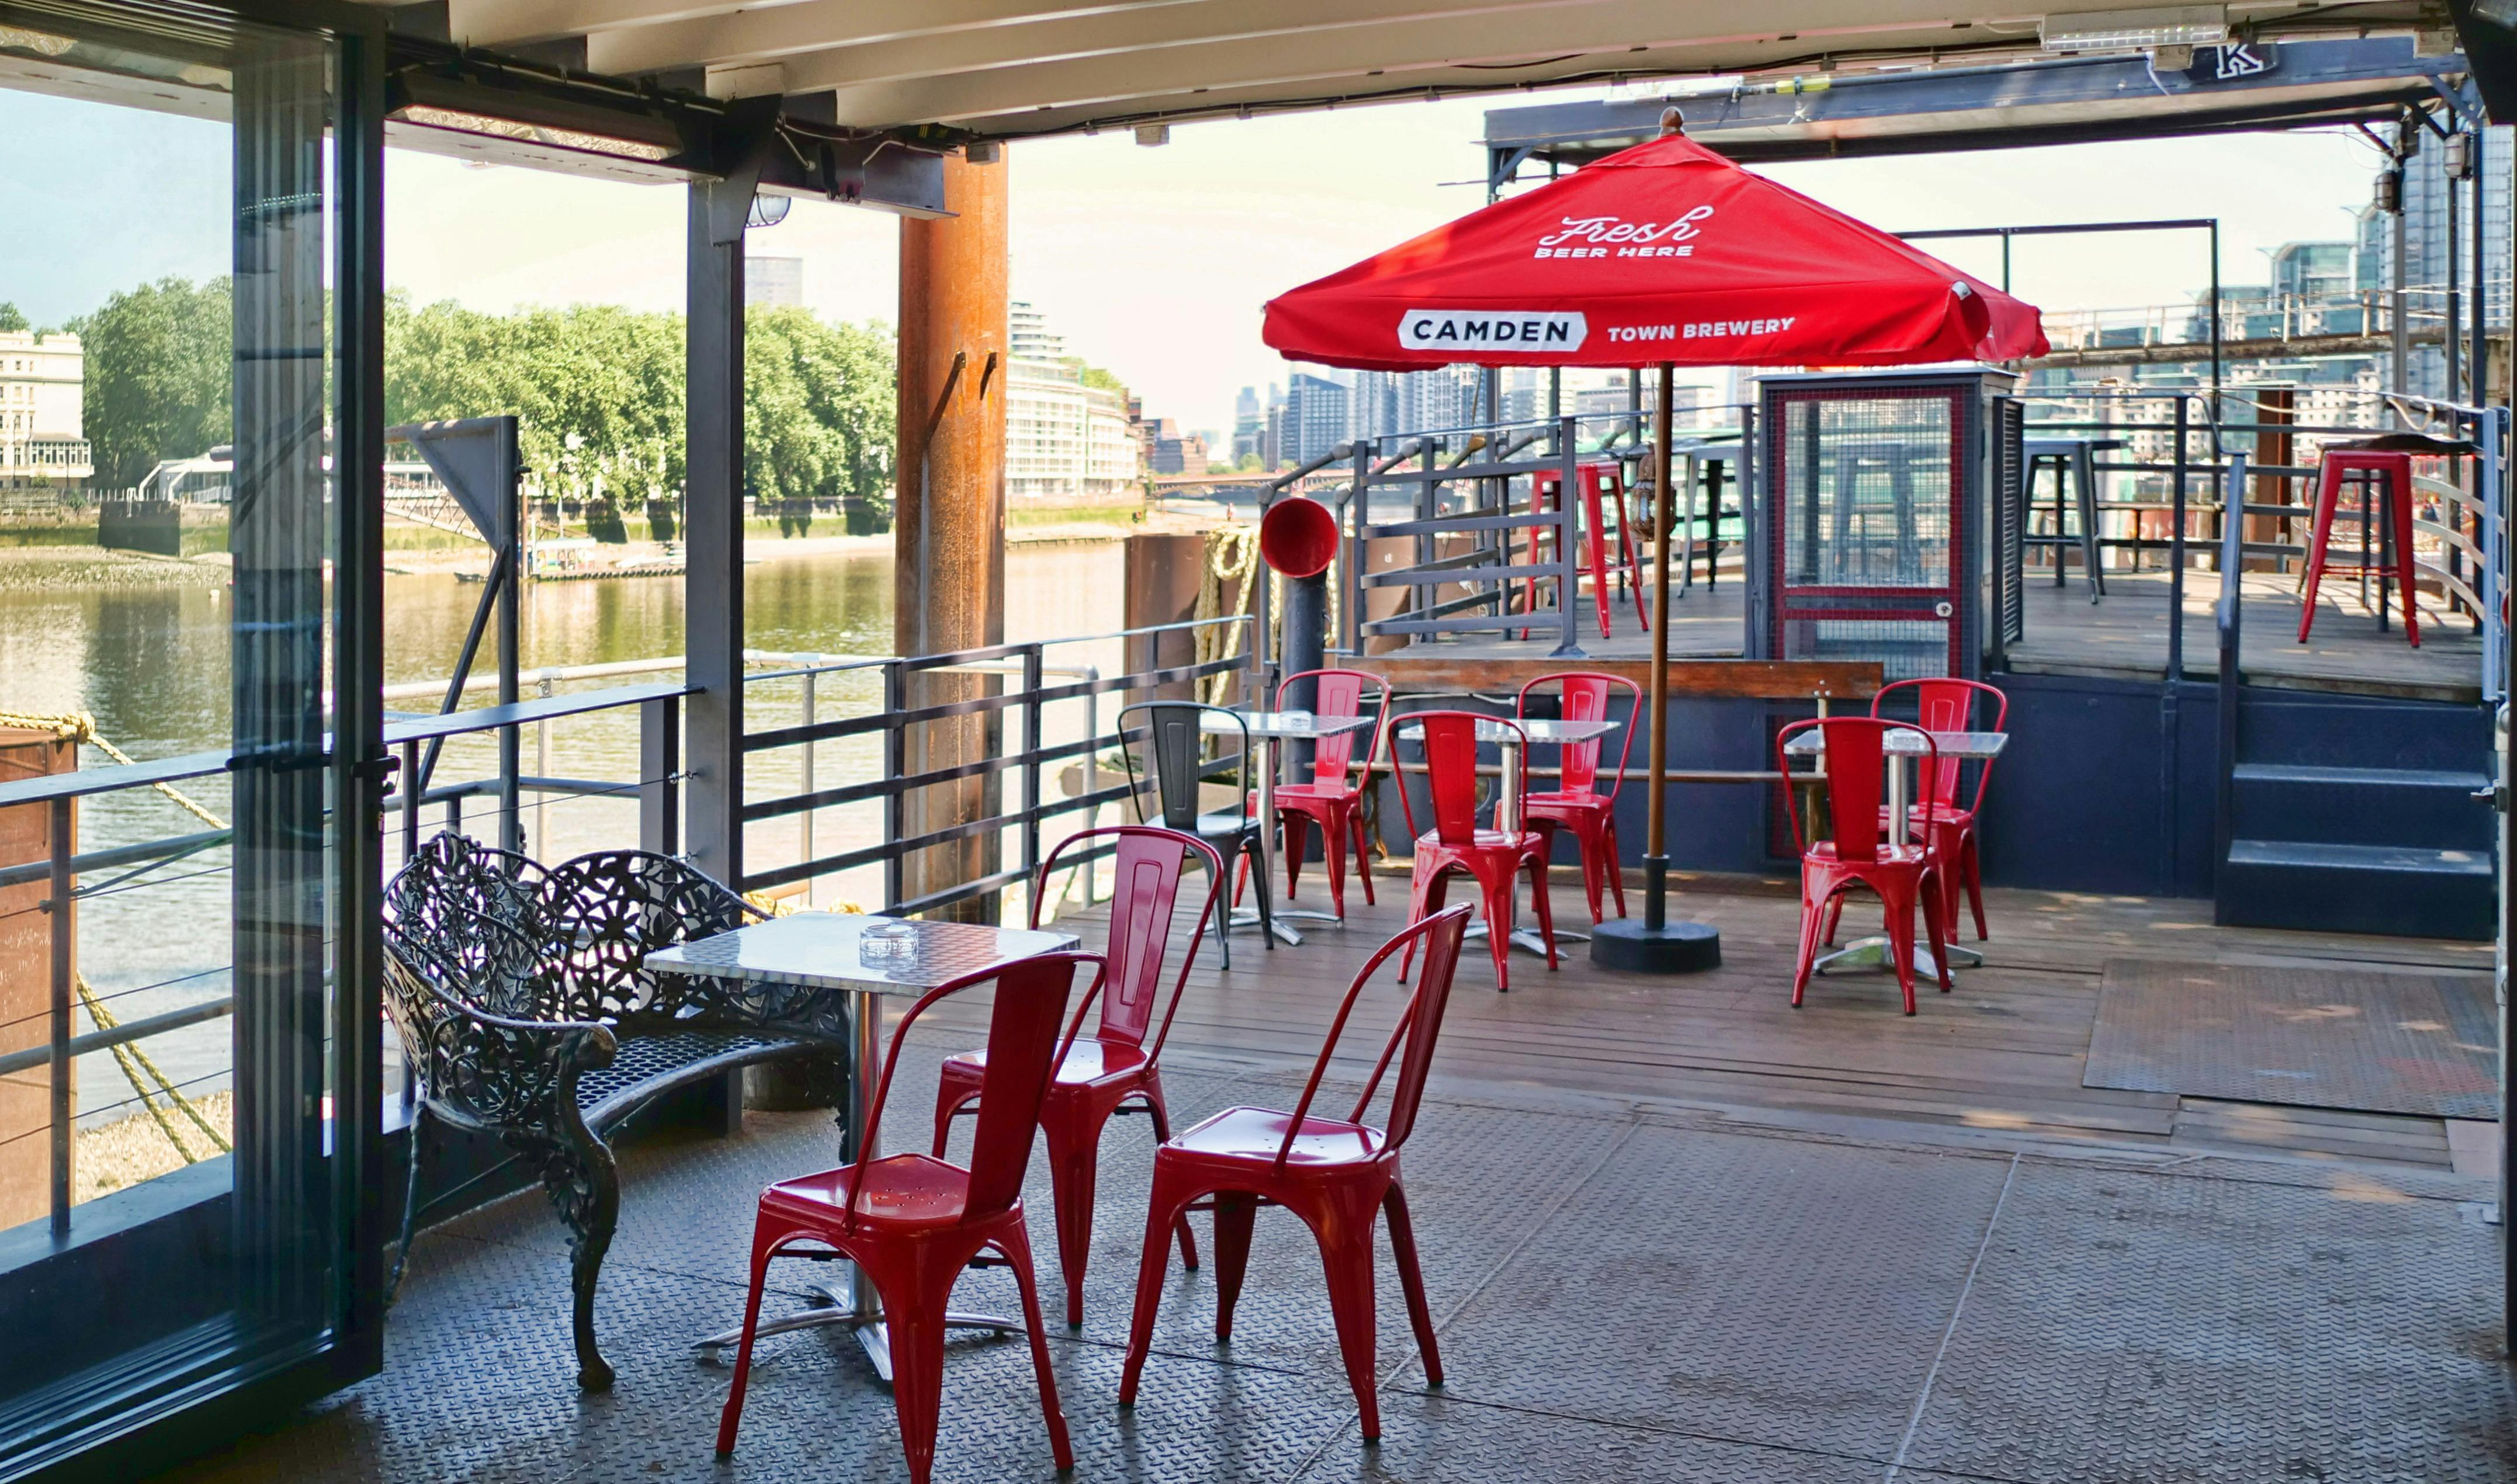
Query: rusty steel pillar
[[949, 510]]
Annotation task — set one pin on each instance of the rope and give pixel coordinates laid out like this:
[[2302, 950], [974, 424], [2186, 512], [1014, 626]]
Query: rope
[[1231, 557], [80, 727], [77, 726]]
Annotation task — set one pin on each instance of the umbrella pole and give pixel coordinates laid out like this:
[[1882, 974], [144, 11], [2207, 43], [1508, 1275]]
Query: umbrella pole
[[1656, 945]]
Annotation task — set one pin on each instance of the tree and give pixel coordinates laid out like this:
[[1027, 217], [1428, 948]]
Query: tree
[[819, 411], [160, 369], [12, 321], [1095, 377]]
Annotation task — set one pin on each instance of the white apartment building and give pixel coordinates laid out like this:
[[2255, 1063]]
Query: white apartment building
[[42, 441], [1064, 440]]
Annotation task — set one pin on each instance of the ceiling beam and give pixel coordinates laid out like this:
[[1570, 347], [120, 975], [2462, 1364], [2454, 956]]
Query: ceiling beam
[[761, 33], [1594, 36]]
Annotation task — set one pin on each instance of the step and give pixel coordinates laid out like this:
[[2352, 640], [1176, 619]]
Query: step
[[2421, 807], [2392, 890], [2321, 731]]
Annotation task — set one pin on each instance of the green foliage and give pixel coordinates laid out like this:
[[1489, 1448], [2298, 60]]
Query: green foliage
[[818, 413], [160, 363], [12, 318], [1095, 376]]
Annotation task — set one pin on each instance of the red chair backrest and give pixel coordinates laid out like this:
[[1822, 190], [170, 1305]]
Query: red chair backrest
[[1451, 771], [1586, 699], [1146, 866], [1946, 705], [1857, 778], [1419, 1025], [1023, 1052], [1340, 693]]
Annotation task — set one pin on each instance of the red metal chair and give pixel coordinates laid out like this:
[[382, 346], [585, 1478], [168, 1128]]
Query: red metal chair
[[2386, 477], [1114, 1065], [1857, 854], [911, 1222], [1576, 805], [1947, 704], [1334, 1173], [1328, 800], [1455, 844], [1598, 481]]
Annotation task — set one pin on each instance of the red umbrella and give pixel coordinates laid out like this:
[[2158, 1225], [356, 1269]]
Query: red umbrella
[[1663, 254]]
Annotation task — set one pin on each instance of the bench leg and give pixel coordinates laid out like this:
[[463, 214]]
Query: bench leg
[[725, 1104], [410, 1200], [585, 1188]]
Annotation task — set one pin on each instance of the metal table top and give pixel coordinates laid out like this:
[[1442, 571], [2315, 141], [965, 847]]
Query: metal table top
[[1283, 724], [1908, 742], [825, 950]]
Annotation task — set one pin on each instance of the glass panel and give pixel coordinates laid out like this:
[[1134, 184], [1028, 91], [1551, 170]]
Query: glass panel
[[167, 1216], [1865, 482]]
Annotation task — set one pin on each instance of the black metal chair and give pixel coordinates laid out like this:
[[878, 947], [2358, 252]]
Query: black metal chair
[[526, 1008], [1176, 742]]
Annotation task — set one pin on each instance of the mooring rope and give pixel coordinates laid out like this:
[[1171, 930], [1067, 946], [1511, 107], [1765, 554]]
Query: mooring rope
[[79, 727]]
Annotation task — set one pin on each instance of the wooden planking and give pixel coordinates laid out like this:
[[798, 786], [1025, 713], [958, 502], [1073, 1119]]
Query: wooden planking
[[2003, 1052]]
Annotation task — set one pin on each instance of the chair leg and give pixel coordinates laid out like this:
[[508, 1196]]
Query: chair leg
[[1166, 1206], [417, 1137], [1972, 871], [2329, 493], [1616, 860], [585, 1188], [1363, 855], [1074, 1158], [1834, 920], [1235, 1214], [947, 1107], [1425, 895], [764, 1243], [1935, 917], [1813, 915], [1162, 1118], [1540, 898], [1411, 1280], [1266, 907], [2400, 500], [1347, 1256], [1016, 1246], [1496, 902], [1900, 937], [917, 1335], [1219, 921], [1333, 833], [1297, 840]]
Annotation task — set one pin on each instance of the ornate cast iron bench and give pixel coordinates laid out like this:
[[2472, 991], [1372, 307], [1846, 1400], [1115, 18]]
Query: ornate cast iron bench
[[525, 1007]]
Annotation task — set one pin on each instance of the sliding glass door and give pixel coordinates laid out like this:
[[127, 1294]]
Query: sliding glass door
[[188, 1108]]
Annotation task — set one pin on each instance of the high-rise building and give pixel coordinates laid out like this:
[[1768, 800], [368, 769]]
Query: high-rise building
[[1317, 417], [1271, 440], [43, 445], [1248, 425], [1064, 440], [2426, 245], [775, 282]]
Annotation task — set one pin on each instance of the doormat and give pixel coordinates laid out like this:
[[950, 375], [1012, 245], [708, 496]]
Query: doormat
[[2425, 1044]]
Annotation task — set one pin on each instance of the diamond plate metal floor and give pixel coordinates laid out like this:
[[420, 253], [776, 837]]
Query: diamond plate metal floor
[[1621, 1297]]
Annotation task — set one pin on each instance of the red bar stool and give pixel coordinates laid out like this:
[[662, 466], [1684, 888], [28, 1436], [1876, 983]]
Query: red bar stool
[[1455, 845], [1598, 482], [2390, 473], [1857, 852], [912, 1222], [1337, 1174], [1576, 805], [1113, 1066], [1330, 800]]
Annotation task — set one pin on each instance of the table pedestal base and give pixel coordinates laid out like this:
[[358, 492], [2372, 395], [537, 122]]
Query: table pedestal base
[[1873, 954], [1673, 948], [1248, 916], [831, 1310]]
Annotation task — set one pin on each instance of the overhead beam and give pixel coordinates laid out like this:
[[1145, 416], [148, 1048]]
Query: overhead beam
[[763, 32], [1591, 36], [500, 23], [798, 29]]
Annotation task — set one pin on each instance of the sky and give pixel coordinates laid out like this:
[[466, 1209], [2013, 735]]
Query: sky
[[1154, 263]]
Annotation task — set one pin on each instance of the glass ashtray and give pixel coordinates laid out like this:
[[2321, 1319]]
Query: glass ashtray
[[886, 941]]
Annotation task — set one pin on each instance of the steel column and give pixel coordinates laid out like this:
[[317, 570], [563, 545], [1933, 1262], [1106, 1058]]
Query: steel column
[[712, 517]]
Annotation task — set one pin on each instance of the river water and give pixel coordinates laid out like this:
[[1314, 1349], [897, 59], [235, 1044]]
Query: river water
[[150, 663]]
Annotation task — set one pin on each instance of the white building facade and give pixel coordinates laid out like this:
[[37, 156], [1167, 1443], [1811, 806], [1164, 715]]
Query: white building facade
[[1064, 442], [43, 442]]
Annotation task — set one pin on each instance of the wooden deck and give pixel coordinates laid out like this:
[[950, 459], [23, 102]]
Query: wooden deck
[[1999, 1057], [2123, 637]]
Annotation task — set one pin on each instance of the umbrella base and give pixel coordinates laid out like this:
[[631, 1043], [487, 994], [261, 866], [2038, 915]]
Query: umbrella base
[[1653, 943], [1673, 948]]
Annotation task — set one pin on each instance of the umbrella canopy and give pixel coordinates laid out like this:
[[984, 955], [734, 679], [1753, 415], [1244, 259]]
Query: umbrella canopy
[[1667, 253]]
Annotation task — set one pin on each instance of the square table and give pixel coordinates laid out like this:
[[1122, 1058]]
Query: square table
[[1275, 728], [1903, 747], [824, 952], [1540, 731]]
